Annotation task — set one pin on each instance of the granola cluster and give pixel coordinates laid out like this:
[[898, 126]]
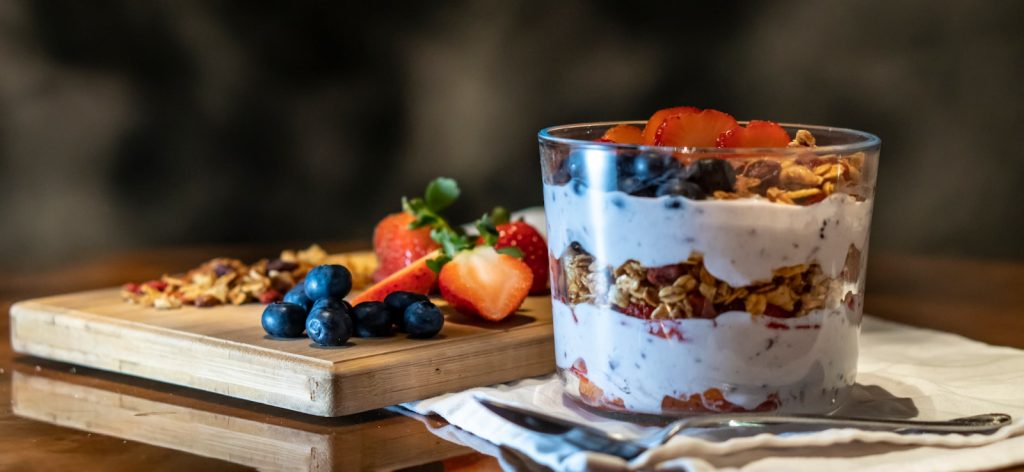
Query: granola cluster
[[223, 280], [799, 180], [687, 290]]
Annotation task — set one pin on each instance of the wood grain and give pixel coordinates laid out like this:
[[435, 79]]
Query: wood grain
[[164, 421], [224, 350]]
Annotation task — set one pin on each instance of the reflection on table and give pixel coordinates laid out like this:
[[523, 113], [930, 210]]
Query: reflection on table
[[258, 437]]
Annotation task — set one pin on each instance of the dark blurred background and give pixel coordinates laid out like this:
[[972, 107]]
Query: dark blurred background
[[129, 124]]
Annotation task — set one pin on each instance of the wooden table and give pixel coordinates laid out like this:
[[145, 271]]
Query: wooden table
[[979, 299]]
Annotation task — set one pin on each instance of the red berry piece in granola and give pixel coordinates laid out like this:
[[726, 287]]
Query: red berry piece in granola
[[665, 275]]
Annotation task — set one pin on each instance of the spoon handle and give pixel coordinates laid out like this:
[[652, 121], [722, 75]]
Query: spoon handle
[[969, 424]]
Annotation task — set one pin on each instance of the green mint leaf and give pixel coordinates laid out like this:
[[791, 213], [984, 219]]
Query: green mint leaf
[[441, 193], [499, 215], [511, 251], [437, 263]]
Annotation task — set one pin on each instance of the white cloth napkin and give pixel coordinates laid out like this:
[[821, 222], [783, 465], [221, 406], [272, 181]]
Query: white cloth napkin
[[903, 371]]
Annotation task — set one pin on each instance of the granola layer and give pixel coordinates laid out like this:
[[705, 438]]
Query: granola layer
[[688, 290]]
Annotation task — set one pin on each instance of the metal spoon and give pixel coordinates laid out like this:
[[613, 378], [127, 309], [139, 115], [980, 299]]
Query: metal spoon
[[593, 439]]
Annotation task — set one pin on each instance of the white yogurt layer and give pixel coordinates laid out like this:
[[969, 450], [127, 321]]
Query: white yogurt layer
[[742, 241], [808, 362]]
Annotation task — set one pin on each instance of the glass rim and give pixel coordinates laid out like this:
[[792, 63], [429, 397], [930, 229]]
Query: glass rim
[[866, 140]]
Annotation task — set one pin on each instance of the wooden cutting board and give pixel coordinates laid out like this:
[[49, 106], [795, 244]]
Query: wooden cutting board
[[224, 350], [252, 437]]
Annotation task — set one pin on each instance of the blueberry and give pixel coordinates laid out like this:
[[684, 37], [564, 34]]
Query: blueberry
[[653, 167], [331, 303], [329, 326], [371, 319], [579, 188], [624, 165], [682, 188], [593, 168], [631, 184], [576, 167], [297, 295], [328, 281], [423, 320], [712, 175], [397, 302], [284, 320]]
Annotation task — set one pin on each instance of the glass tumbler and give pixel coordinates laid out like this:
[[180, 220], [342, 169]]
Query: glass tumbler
[[697, 280]]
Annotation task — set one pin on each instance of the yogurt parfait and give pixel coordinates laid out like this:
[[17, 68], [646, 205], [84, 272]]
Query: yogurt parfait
[[699, 264]]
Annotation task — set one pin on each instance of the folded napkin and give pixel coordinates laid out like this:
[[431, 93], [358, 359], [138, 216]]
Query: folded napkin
[[903, 371]]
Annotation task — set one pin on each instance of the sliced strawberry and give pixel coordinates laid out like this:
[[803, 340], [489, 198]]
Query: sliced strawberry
[[693, 129], [416, 277], [484, 283], [623, 134], [757, 134], [397, 246], [526, 238], [659, 117]]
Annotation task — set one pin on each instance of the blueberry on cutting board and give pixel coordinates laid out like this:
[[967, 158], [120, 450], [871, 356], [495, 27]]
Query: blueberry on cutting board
[[326, 281], [331, 303], [329, 326], [371, 319], [297, 295], [284, 320], [397, 302], [423, 319]]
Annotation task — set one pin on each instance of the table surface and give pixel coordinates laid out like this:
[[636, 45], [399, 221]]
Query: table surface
[[980, 299]]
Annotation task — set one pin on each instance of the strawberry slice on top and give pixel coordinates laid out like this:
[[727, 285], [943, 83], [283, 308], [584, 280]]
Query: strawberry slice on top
[[623, 134], [757, 134], [658, 118], [693, 128]]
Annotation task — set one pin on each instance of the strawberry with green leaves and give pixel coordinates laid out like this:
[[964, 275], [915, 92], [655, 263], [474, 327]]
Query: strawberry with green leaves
[[496, 230], [482, 275]]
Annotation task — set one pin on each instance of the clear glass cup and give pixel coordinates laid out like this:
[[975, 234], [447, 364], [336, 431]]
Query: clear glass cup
[[696, 280]]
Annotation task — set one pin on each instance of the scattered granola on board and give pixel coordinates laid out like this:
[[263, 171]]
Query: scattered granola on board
[[223, 280]]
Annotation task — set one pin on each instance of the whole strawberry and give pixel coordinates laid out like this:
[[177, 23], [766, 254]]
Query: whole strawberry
[[527, 239], [403, 238], [397, 245]]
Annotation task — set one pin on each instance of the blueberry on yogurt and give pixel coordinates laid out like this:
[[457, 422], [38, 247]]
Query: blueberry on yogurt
[[712, 175], [681, 188]]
